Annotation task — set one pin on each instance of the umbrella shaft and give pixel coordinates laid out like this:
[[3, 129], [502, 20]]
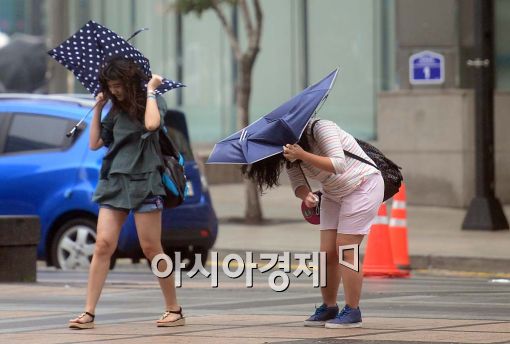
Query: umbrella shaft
[[72, 131]]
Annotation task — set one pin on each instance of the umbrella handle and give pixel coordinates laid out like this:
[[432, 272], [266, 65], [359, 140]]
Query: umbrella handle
[[73, 130]]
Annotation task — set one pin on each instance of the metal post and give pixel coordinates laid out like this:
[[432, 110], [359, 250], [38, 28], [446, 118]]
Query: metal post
[[234, 15], [485, 211], [179, 52]]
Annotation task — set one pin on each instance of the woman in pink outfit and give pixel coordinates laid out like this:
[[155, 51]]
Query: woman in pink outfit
[[352, 192]]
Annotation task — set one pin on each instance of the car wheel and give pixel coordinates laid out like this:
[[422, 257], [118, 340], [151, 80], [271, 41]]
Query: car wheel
[[73, 245]]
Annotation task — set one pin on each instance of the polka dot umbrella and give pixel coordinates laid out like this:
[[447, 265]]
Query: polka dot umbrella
[[86, 50]]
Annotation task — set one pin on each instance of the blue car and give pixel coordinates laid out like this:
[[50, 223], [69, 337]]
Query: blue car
[[45, 173]]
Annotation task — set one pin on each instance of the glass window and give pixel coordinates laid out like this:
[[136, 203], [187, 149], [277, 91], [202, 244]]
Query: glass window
[[21, 16], [4, 123], [30, 132], [175, 122], [182, 143], [355, 36], [502, 42]]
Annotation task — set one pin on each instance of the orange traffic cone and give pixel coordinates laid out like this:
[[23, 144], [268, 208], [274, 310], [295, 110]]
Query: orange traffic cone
[[398, 230], [378, 259]]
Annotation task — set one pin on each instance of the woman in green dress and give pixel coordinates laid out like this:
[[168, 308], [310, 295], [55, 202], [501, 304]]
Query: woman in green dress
[[130, 179]]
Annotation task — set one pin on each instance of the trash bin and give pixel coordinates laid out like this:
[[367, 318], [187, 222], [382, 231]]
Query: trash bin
[[19, 237]]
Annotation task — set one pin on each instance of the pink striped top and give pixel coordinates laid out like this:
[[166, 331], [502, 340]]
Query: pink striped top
[[330, 141]]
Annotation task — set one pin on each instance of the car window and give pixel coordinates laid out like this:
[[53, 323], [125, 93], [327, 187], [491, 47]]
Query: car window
[[181, 142], [4, 125], [30, 132], [175, 121]]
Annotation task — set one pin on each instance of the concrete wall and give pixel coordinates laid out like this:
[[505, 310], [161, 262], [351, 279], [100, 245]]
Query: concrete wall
[[443, 26], [430, 133], [429, 130], [502, 147]]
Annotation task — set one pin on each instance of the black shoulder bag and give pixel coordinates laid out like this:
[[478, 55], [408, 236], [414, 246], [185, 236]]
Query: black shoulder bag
[[389, 170], [172, 170]]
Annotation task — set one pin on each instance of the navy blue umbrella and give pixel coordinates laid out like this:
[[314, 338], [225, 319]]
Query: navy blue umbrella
[[266, 136], [86, 50]]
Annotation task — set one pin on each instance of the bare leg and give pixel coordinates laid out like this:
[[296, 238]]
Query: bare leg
[[149, 232], [352, 280], [109, 224], [328, 245]]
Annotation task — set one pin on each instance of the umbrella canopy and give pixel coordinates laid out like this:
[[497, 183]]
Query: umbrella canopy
[[85, 51], [23, 63], [267, 136]]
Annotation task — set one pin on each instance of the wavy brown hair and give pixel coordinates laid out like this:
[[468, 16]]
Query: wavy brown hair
[[266, 173], [132, 78]]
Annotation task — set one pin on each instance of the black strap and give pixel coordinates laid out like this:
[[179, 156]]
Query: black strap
[[313, 126], [176, 312], [158, 147], [354, 156], [304, 176], [164, 136], [349, 154], [91, 315]]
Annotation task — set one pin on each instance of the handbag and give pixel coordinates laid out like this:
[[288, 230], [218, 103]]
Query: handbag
[[172, 170], [389, 170]]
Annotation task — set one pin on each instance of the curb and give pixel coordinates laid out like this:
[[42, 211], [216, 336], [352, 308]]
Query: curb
[[420, 262], [470, 264]]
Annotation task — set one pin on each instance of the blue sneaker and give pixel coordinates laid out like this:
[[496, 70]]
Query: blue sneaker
[[321, 315], [348, 317]]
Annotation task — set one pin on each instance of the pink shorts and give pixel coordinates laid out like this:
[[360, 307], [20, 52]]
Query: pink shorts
[[354, 213]]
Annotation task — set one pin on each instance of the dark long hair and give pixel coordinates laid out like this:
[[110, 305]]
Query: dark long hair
[[266, 173], [132, 78]]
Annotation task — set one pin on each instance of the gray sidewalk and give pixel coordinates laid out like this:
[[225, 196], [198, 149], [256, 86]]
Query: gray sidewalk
[[435, 237], [422, 309]]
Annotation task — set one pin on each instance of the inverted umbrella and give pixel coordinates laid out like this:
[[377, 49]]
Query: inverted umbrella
[[86, 50], [23, 63], [266, 136]]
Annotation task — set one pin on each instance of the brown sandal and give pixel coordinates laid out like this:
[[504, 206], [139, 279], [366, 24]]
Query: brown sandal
[[177, 322], [85, 325]]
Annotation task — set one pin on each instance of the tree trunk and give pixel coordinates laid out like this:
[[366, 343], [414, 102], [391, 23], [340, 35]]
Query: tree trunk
[[58, 13], [253, 211], [243, 93]]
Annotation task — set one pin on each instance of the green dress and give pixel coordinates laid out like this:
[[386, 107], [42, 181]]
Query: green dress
[[130, 171]]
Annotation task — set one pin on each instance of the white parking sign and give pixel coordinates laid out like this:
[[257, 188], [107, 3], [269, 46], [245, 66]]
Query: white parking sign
[[426, 68]]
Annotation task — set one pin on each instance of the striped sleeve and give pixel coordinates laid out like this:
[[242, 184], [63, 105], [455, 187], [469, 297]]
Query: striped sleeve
[[296, 177], [328, 138]]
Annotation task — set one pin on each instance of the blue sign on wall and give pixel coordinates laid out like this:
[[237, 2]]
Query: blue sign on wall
[[426, 68]]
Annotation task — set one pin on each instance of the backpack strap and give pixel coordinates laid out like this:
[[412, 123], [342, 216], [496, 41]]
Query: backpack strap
[[349, 154], [354, 156], [313, 126], [304, 176]]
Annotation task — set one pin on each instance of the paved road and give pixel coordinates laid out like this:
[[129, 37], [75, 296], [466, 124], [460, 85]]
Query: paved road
[[422, 308]]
